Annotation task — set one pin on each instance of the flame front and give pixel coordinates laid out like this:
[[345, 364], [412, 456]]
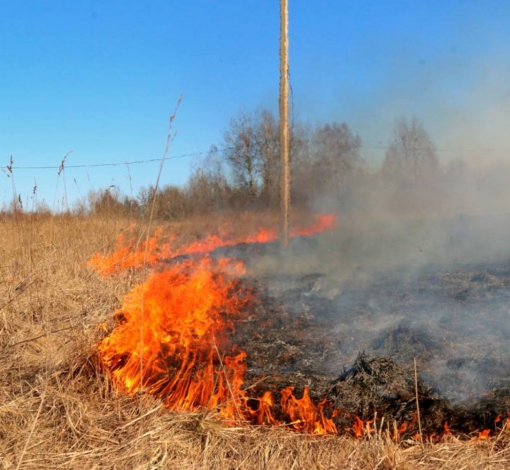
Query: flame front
[[172, 342], [172, 337], [173, 332], [133, 255]]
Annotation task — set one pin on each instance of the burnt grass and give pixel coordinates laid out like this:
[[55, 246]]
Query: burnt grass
[[354, 342]]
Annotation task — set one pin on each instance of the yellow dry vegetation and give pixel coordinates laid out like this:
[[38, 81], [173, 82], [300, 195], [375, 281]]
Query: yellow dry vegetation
[[58, 411]]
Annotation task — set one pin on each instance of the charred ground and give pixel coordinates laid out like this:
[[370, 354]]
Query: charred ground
[[351, 333]]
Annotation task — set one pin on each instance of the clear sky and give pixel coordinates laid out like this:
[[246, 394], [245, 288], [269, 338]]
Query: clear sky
[[100, 79]]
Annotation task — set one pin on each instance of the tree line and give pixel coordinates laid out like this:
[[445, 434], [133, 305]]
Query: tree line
[[328, 172]]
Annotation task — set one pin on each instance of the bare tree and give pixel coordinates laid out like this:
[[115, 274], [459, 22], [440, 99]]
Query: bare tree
[[411, 155], [326, 158], [336, 150], [252, 153], [269, 147], [207, 187], [242, 154]]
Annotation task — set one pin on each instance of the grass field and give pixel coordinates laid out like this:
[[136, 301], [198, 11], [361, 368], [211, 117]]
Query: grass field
[[58, 410]]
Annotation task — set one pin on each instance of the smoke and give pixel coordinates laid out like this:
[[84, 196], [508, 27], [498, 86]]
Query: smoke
[[419, 266], [434, 290], [411, 271], [457, 86]]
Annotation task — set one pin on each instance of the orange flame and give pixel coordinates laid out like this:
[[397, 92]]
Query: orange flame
[[321, 224], [172, 339], [304, 415], [446, 429], [171, 342], [171, 328], [134, 255], [130, 254], [357, 427], [483, 435], [403, 427]]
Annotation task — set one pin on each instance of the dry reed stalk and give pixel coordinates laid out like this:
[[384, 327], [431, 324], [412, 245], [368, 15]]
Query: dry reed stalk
[[31, 432], [417, 401], [169, 138], [227, 381]]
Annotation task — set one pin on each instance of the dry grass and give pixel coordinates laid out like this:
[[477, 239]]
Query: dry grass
[[58, 411]]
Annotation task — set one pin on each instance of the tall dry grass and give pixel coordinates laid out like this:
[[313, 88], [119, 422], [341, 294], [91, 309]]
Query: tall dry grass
[[58, 411]]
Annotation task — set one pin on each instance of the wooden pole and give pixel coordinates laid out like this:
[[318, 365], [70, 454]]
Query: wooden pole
[[284, 125]]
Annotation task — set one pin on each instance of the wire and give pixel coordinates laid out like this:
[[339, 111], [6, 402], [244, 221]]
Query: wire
[[95, 165], [198, 154], [438, 149]]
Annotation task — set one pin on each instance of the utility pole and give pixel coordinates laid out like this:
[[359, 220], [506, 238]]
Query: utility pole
[[284, 125]]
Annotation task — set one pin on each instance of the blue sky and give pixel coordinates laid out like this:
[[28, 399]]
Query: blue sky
[[100, 78]]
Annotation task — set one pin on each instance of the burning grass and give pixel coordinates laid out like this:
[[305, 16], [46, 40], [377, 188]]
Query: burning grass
[[59, 410]]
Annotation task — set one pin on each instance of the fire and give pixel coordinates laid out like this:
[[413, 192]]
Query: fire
[[171, 331], [362, 428], [357, 427], [398, 431], [131, 254], [172, 341], [134, 254], [173, 338], [483, 435], [446, 429], [304, 415], [322, 223]]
